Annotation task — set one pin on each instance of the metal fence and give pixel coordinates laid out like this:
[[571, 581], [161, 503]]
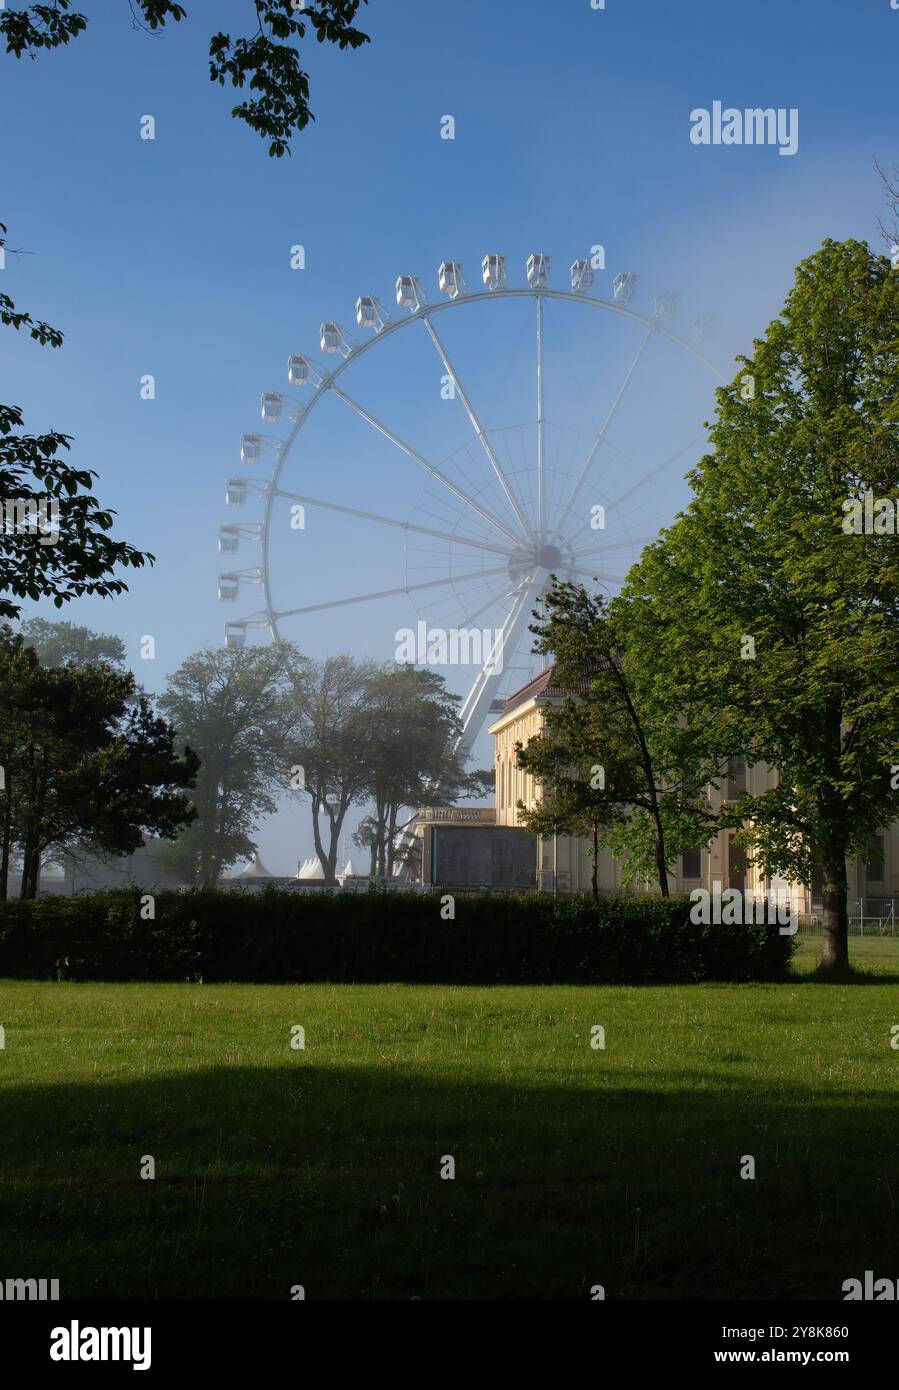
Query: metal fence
[[867, 917]]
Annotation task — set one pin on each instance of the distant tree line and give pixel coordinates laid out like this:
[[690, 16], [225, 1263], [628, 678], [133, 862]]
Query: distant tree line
[[87, 765], [268, 722]]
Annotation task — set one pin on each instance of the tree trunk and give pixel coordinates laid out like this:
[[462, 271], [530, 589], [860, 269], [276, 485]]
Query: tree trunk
[[31, 869], [391, 841], [206, 823], [661, 866], [835, 942], [7, 840], [217, 846], [649, 774], [215, 827], [30, 821], [27, 856], [206, 805], [333, 847], [317, 803], [380, 819], [34, 874], [327, 857]]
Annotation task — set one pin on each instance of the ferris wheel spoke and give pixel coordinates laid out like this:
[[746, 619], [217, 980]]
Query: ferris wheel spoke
[[601, 437], [431, 469], [586, 573], [602, 548], [393, 521], [653, 472], [479, 430], [390, 593], [648, 477], [541, 426]]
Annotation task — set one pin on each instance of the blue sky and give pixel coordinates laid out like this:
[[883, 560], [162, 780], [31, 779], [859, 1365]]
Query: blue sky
[[172, 257]]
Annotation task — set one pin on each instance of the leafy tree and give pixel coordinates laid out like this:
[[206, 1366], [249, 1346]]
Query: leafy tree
[[613, 765], [773, 624], [87, 762], [228, 706], [61, 644], [82, 557], [41, 643], [890, 229], [327, 740], [265, 61], [411, 729]]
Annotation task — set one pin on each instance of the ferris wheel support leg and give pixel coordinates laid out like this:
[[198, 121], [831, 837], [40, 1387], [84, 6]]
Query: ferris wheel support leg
[[474, 712], [477, 705], [541, 428]]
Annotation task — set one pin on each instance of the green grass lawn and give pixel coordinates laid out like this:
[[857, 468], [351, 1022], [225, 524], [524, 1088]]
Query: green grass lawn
[[574, 1166]]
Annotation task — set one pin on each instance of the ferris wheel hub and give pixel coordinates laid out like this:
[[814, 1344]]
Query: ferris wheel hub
[[531, 560], [548, 557]]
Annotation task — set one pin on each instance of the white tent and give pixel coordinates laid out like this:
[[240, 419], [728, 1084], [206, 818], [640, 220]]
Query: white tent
[[254, 869], [311, 869]]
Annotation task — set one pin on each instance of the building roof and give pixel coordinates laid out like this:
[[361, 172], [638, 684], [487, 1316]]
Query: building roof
[[543, 686]]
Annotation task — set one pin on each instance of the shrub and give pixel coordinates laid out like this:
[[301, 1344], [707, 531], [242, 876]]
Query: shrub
[[279, 936]]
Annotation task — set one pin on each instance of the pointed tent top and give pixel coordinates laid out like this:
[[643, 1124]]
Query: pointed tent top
[[254, 869], [311, 869], [349, 871]]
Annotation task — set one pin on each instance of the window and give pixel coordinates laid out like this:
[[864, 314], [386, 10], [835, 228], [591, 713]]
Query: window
[[736, 778], [737, 863], [691, 863], [874, 865]]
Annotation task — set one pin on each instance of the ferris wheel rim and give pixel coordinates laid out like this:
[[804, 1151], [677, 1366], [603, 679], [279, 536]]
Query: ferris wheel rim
[[651, 323]]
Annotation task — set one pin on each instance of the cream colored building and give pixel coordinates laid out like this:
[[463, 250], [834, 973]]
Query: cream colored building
[[563, 861]]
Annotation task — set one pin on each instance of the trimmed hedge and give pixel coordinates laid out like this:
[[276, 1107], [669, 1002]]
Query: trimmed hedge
[[278, 937]]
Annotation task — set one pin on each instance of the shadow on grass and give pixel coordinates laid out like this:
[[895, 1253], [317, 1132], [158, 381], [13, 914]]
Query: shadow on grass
[[854, 975], [330, 1178]]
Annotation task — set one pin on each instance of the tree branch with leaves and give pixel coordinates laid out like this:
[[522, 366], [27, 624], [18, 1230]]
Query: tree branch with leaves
[[267, 62]]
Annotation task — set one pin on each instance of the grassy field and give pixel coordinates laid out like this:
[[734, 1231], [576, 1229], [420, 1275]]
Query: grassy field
[[573, 1166]]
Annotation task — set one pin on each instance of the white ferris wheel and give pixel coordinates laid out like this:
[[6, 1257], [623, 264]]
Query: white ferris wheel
[[501, 508]]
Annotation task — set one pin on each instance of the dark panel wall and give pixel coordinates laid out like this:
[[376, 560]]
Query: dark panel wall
[[482, 856]]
